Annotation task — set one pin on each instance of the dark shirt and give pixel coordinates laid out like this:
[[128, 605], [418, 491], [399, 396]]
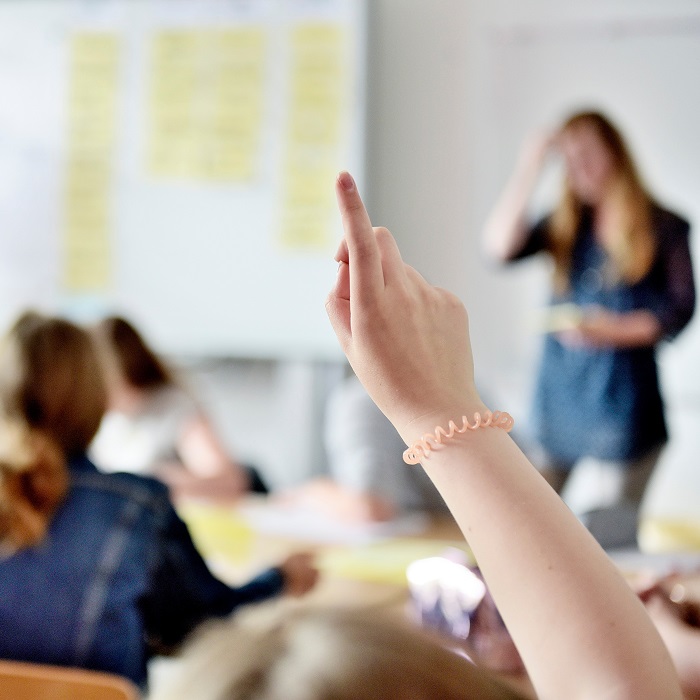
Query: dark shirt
[[116, 579], [606, 402]]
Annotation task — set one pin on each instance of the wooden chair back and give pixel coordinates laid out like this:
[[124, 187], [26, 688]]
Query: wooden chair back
[[28, 681]]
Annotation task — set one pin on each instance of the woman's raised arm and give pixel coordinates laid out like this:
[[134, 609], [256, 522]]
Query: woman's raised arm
[[581, 631], [506, 227]]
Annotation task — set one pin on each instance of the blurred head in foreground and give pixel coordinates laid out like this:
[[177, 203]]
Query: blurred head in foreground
[[284, 652]]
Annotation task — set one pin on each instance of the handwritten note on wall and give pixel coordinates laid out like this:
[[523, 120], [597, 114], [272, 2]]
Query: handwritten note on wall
[[206, 108], [92, 116], [315, 132]]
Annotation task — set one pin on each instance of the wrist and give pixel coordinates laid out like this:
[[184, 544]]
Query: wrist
[[444, 435], [426, 423]]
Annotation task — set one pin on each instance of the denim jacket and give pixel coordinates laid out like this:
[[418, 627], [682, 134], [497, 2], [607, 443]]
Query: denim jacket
[[116, 579]]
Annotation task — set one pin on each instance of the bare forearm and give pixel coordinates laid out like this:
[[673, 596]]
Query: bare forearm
[[635, 329], [581, 631], [546, 572], [638, 329], [227, 485]]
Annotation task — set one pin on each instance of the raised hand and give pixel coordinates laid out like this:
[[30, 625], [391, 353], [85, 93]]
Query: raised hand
[[538, 146], [407, 341]]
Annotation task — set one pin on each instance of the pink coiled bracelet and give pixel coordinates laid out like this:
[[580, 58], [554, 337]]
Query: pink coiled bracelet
[[420, 448]]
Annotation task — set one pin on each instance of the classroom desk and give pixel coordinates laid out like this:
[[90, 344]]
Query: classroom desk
[[354, 573], [372, 572]]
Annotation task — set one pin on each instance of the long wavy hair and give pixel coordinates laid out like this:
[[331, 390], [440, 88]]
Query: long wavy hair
[[52, 399], [629, 238]]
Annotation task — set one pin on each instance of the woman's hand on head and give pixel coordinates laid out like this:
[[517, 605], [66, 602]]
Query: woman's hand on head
[[407, 341], [538, 146]]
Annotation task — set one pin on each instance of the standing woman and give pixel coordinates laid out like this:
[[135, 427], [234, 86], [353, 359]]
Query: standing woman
[[622, 266]]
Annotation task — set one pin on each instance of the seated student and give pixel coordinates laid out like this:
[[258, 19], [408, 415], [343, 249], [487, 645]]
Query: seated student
[[581, 631], [367, 479], [96, 570], [155, 426]]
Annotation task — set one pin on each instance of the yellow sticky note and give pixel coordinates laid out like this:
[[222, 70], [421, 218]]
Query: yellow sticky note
[[206, 103], [92, 114], [218, 532]]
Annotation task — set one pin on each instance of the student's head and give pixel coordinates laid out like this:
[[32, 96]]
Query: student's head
[[596, 156], [282, 653], [601, 174], [52, 399], [50, 379], [129, 362]]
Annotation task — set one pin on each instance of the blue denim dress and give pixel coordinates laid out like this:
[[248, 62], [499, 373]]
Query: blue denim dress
[[116, 579], [606, 402]]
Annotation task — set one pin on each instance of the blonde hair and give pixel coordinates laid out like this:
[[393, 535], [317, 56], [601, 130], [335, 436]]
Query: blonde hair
[[629, 240], [284, 651], [52, 399]]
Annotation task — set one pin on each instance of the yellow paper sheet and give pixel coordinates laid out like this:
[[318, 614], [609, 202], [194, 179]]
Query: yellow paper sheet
[[92, 113], [557, 318], [206, 104], [316, 123], [383, 562], [218, 532]]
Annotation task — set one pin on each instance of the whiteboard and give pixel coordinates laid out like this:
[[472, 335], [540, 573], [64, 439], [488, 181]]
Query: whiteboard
[[174, 161]]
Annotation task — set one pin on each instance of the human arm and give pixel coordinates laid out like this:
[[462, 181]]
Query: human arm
[[580, 630], [600, 328], [677, 302], [182, 592], [506, 227], [669, 312], [204, 468]]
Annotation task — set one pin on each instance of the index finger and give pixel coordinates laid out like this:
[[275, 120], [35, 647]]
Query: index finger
[[366, 275]]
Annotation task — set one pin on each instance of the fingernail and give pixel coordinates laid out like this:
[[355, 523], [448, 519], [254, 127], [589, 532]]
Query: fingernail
[[346, 181]]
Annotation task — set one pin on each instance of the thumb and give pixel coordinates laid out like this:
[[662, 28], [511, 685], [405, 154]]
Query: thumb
[[338, 311], [338, 306]]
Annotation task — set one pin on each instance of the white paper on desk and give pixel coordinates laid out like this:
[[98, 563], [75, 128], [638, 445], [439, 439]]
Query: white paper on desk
[[658, 563], [305, 524]]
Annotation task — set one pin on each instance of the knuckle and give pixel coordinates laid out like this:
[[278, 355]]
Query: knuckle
[[362, 250], [453, 301], [352, 207]]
